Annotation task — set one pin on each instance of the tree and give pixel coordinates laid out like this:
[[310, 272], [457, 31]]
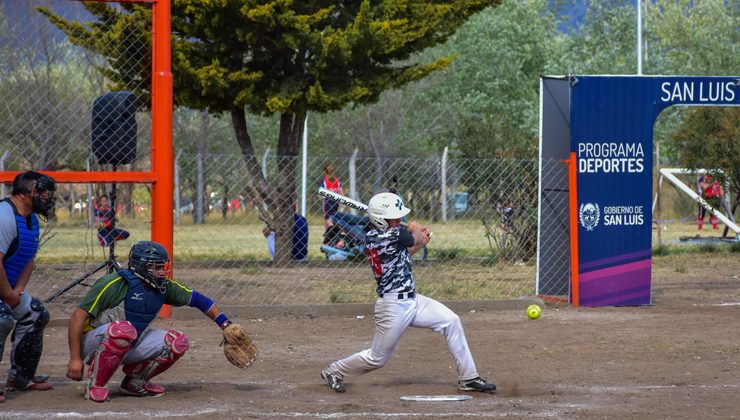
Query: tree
[[400, 124], [604, 44], [489, 95], [281, 57], [709, 138], [41, 78], [693, 38]]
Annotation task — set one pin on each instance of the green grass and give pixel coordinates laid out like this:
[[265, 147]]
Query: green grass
[[235, 239], [238, 238]]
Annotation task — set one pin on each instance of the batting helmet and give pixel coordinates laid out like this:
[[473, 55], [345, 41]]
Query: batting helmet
[[151, 263], [386, 206]]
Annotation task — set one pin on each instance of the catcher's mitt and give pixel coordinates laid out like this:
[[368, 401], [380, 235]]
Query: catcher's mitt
[[239, 348]]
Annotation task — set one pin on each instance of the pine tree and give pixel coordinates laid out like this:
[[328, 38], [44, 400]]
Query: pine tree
[[283, 56]]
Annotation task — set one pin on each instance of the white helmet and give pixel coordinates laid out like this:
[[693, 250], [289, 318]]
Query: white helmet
[[385, 206]]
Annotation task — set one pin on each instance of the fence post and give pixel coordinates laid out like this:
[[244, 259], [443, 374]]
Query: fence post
[[177, 187], [264, 170], [304, 170], [353, 177], [443, 195], [89, 194], [2, 168], [203, 201]]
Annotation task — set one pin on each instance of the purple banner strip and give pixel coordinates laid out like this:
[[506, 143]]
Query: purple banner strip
[[623, 284], [639, 296], [616, 270], [646, 253]]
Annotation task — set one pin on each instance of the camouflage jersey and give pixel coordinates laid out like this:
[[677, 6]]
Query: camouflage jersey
[[390, 260]]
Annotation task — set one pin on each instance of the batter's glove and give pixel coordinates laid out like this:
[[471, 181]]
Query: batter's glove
[[239, 348]]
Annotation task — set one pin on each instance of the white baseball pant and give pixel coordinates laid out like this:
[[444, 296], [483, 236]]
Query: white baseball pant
[[149, 345], [392, 317]]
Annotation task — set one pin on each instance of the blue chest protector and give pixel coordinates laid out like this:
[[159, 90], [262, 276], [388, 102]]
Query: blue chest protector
[[23, 249], [142, 303]]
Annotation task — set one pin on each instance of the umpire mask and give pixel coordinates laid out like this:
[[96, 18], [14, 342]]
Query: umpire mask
[[42, 196]]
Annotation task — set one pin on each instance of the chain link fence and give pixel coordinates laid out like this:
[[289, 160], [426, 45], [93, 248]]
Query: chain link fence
[[484, 244], [65, 107], [68, 108], [553, 253]]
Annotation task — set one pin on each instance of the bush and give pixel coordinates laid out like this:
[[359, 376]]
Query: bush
[[661, 250], [447, 254], [709, 248], [339, 297], [735, 247]]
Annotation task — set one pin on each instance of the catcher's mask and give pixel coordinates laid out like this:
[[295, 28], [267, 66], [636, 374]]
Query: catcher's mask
[[40, 187], [150, 262], [386, 206]]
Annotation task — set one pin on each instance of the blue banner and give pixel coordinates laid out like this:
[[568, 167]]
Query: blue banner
[[612, 121]]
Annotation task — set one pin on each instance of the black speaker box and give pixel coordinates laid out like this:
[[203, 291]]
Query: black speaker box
[[114, 128]]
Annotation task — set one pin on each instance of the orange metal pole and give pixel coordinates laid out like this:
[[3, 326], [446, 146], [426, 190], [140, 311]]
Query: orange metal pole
[[79, 177], [573, 196], [162, 153]]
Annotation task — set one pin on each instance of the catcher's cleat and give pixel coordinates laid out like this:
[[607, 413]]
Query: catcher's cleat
[[333, 380], [138, 389], [38, 383], [478, 384], [96, 393]]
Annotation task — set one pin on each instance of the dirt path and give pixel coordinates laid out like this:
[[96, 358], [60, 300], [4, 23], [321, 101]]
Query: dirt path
[[677, 359]]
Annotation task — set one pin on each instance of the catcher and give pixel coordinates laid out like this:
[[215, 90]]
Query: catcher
[[111, 327]]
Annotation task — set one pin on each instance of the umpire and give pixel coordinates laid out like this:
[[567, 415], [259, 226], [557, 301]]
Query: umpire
[[32, 195]]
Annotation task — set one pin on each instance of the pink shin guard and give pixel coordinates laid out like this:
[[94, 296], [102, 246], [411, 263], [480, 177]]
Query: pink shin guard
[[175, 345], [107, 357]]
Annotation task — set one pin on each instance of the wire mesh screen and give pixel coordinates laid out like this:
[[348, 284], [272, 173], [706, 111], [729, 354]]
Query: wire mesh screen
[[77, 97], [553, 258], [483, 247], [66, 107]]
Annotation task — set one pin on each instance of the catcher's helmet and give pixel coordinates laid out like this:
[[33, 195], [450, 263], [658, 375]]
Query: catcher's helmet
[[41, 187], [151, 263], [386, 206]]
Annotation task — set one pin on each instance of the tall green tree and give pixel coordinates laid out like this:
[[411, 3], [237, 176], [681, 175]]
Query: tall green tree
[[41, 78], [281, 57], [698, 38], [604, 44], [693, 37], [489, 95]]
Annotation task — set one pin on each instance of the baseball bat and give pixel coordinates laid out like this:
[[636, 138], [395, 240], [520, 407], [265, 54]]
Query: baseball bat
[[341, 199], [344, 200]]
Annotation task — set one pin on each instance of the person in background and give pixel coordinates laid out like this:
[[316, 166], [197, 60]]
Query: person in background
[[331, 183], [712, 193], [300, 237], [24, 315], [105, 217]]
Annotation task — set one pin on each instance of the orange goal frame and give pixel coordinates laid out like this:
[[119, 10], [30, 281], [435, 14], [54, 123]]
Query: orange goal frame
[[161, 175]]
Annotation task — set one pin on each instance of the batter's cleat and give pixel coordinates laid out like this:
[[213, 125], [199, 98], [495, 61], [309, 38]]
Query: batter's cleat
[[38, 383], [138, 389], [478, 384], [333, 380]]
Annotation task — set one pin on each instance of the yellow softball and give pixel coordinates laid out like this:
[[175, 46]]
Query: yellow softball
[[533, 311]]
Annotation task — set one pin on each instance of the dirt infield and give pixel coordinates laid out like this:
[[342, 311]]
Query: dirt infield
[[677, 359]]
